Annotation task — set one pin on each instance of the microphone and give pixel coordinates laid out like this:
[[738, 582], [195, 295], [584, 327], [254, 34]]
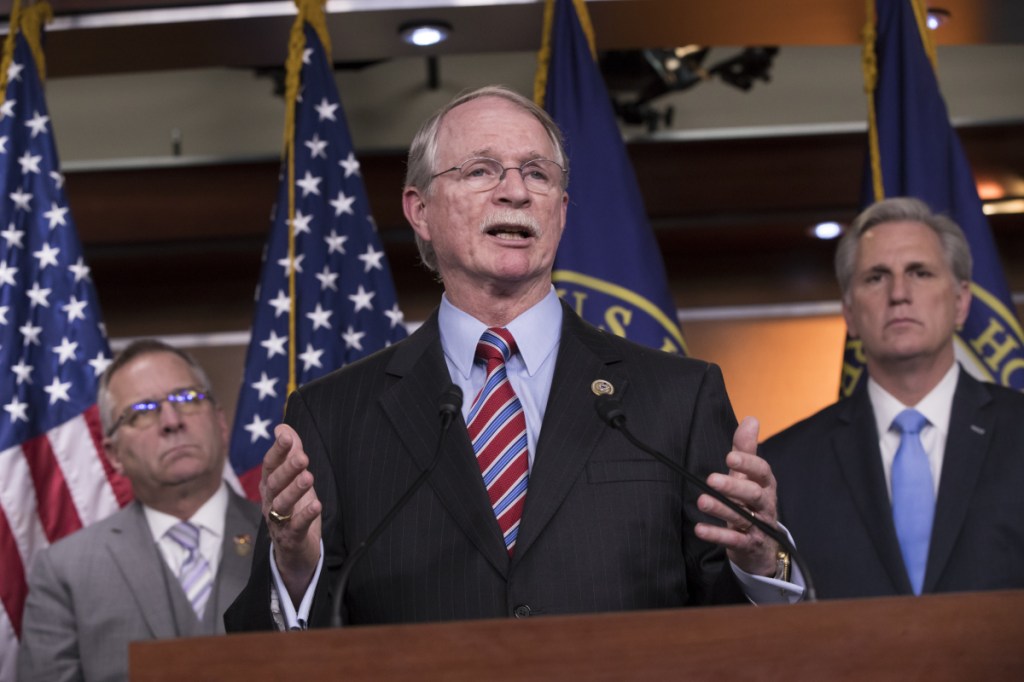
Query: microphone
[[449, 405], [610, 411]]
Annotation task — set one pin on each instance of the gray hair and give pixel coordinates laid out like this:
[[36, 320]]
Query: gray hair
[[902, 209], [137, 349], [422, 160]]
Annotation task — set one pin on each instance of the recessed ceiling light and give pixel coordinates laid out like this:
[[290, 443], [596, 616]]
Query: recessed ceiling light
[[827, 230], [425, 33], [937, 17]]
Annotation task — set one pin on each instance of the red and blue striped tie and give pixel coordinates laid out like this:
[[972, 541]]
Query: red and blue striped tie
[[497, 428]]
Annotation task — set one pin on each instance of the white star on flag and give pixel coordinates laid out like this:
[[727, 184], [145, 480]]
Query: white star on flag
[[395, 315], [38, 296], [75, 309], [13, 236], [58, 390], [37, 124], [31, 333], [17, 410], [100, 363], [371, 259], [29, 162], [343, 204], [317, 147], [14, 71], [23, 371], [56, 215], [47, 256], [286, 264], [79, 269], [350, 165], [301, 222], [274, 344], [311, 358], [352, 338], [335, 242], [282, 304], [327, 278], [7, 273], [326, 110], [257, 428], [320, 317], [362, 298], [22, 199], [309, 184], [66, 350], [265, 386]]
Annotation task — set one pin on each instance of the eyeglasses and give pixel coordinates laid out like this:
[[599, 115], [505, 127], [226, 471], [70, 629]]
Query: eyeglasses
[[142, 415], [482, 174]]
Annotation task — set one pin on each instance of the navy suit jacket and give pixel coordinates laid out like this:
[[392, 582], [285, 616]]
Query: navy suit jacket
[[604, 526], [834, 500]]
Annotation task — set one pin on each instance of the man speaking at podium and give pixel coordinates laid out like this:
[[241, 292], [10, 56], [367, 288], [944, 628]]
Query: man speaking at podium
[[535, 505]]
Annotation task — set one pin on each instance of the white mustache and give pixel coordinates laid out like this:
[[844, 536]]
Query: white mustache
[[511, 218]]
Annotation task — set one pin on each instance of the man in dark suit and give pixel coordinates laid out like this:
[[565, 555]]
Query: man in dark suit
[[564, 515], [846, 478], [117, 581]]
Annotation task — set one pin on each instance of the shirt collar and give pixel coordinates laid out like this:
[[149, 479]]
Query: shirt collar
[[210, 517], [536, 331], [936, 406]]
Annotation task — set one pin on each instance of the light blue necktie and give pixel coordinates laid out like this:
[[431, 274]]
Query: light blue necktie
[[913, 496], [196, 577]]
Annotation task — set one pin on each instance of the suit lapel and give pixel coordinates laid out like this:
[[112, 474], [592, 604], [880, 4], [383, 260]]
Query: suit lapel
[[571, 428], [971, 427], [133, 550], [410, 405], [235, 561], [855, 445]]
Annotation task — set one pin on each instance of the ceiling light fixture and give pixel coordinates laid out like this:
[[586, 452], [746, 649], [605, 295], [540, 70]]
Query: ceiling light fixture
[[424, 33], [937, 17], [827, 230]]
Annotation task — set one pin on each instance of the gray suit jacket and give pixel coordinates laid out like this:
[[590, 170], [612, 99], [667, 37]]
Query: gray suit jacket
[[93, 592], [604, 527], [833, 497]]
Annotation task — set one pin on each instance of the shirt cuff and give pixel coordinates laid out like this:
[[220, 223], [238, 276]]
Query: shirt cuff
[[763, 590], [285, 615]]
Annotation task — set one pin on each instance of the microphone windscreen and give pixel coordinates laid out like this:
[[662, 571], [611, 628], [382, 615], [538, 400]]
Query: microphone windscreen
[[451, 400], [609, 409]]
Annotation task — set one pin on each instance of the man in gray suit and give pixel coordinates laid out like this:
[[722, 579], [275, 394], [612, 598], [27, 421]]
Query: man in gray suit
[[168, 564], [536, 505]]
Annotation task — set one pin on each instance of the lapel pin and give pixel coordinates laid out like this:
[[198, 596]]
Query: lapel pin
[[243, 544], [602, 387], [978, 430]]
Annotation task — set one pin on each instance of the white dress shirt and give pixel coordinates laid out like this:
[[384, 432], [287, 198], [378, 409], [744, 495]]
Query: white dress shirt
[[936, 406]]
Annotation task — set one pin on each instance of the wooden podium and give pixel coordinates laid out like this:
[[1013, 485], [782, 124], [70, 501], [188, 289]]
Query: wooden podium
[[938, 637]]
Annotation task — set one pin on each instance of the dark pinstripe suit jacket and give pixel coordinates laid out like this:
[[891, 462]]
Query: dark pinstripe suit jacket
[[833, 497], [604, 527]]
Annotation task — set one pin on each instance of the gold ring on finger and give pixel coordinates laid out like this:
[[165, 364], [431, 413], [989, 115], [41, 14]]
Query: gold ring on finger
[[279, 518]]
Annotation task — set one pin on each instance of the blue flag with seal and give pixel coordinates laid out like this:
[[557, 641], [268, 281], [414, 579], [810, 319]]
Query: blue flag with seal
[[325, 296], [608, 266], [914, 151]]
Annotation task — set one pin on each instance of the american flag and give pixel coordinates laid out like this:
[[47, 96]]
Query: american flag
[[54, 477], [344, 303]]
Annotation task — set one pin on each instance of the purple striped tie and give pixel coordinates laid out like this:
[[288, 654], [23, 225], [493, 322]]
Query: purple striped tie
[[497, 428], [196, 577]]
